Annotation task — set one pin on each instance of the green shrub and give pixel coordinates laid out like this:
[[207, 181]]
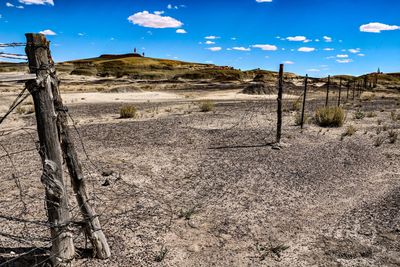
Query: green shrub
[[127, 112], [330, 117], [359, 115], [206, 106]]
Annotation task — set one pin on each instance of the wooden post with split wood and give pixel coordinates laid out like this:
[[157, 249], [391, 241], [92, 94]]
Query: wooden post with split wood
[[41, 63], [62, 251], [304, 101], [327, 91], [348, 90], [279, 111], [354, 90]]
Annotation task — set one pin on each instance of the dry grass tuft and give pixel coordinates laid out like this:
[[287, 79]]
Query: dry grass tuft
[[128, 112], [330, 117], [207, 106]]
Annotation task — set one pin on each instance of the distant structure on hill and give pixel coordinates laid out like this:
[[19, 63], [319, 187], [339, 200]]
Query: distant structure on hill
[[134, 54]]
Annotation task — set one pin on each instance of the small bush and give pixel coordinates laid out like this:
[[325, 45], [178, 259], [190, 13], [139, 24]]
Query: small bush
[[296, 105], [394, 116], [330, 117], [297, 119], [392, 136], [351, 130], [379, 141], [127, 112], [359, 115], [20, 110], [207, 106]]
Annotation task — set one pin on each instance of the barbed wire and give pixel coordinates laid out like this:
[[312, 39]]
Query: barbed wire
[[18, 100], [13, 56], [230, 128], [15, 44]]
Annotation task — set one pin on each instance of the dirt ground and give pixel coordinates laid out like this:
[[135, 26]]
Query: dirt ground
[[180, 187]]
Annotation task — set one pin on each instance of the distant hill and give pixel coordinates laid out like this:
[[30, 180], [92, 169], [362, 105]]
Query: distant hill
[[144, 68]]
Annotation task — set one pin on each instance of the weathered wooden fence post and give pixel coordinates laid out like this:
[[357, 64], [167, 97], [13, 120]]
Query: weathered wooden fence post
[[279, 112], [340, 92], [38, 47], [62, 251], [304, 101], [327, 90], [348, 90], [354, 90]]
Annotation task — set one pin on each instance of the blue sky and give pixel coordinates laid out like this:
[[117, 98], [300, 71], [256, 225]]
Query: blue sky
[[317, 37]]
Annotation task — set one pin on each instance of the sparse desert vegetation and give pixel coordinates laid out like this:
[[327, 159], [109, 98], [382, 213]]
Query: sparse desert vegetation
[[192, 180]]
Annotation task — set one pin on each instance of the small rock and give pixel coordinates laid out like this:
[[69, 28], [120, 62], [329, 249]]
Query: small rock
[[106, 183], [107, 173], [194, 248]]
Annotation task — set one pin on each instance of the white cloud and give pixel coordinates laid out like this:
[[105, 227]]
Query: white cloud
[[158, 12], [172, 7], [355, 51], [306, 49], [317, 40], [327, 39], [181, 31], [146, 19], [209, 42], [263, 1], [37, 2], [313, 70], [288, 62], [331, 57], [297, 39], [342, 56], [329, 49], [212, 37], [344, 61], [241, 48], [48, 32], [361, 55], [266, 47], [376, 27], [215, 49], [8, 4], [81, 34]]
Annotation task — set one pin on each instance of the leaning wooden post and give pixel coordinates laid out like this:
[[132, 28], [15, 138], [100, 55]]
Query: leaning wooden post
[[327, 91], [279, 112], [354, 90], [62, 251], [340, 92], [93, 229], [348, 90], [304, 101], [92, 224]]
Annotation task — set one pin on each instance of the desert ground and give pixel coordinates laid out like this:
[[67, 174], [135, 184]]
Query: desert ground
[[179, 187]]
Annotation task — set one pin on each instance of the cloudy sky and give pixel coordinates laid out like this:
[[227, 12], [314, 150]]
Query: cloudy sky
[[317, 37]]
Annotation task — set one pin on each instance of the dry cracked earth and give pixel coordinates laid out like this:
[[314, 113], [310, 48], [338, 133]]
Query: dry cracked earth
[[179, 187]]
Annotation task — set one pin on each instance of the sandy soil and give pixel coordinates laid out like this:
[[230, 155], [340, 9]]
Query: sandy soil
[[203, 189]]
